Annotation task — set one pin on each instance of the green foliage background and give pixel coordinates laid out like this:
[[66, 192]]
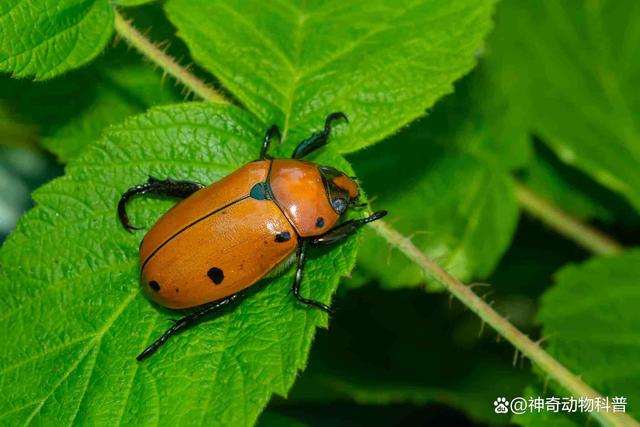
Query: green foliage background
[[453, 105]]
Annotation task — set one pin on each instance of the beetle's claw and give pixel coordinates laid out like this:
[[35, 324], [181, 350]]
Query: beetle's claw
[[326, 309], [374, 217], [336, 116], [321, 306], [331, 118], [146, 353]]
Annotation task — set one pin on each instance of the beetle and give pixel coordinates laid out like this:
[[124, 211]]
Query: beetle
[[223, 238]]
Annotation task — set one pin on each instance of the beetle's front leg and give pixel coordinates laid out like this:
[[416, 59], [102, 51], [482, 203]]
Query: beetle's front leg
[[318, 139], [335, 235], [345, 230], [167, 187], [302, 259]]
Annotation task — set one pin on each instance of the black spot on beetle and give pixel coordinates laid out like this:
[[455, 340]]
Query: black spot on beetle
[[320, 222], [216, 275], [285, 236], [154, 285]]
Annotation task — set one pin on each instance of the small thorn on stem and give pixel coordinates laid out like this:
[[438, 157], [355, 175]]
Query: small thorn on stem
[[482, 325]]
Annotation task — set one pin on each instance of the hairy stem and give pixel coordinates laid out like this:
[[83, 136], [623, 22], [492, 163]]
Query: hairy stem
[[584, 235], [166, 62], [550, 366]]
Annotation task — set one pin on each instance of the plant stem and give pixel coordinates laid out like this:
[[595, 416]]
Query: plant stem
[[166, 62], [570, 382], [584, 235]]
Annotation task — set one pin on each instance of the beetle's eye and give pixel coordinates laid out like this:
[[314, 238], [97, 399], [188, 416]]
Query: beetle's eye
[[340, 205]]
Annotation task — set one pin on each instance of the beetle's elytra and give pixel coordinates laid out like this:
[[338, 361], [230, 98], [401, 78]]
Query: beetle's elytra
[[221, 239]]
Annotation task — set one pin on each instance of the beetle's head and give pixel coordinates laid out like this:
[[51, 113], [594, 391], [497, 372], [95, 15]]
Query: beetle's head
[[342, 190]]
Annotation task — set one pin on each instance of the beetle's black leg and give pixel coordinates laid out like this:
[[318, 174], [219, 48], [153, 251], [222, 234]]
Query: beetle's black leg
[[168, 187], [302, 259], [344, 230], [318, 139], [273, 131], [186, 322]]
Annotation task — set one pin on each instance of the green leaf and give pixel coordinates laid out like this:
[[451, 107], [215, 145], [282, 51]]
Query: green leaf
[[73, 309], [292, 63], [479, 119], [133, 2], [45, 38], [466, 224], [573, 66], [460, 210], [596, 335]]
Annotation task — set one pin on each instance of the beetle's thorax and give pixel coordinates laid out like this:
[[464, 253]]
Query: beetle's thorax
[[299, 191]]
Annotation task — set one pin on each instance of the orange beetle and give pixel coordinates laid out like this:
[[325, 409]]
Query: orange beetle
[[223, 238]]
